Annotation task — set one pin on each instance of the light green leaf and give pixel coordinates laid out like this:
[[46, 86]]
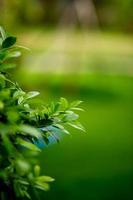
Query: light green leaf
[[1, 41], [2, 77], [70, 117], [44, 179], [42, 186], [77, 125], [29, 130], [78, 109], [31, 94], [3, 33], [22, 166], [27, 145], [13, 54], [1, 105], [20, 100], [37, 170], [75, 103], [64, 103], [22, 47], [18, 94], [23, 182]]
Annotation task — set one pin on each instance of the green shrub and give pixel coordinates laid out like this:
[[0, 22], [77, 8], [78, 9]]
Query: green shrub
[[23, 126]]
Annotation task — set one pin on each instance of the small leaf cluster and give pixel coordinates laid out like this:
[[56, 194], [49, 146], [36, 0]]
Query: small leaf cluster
[[23, 125]]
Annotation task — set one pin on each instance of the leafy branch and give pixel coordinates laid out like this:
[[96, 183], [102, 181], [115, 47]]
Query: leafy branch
[[23, 126]]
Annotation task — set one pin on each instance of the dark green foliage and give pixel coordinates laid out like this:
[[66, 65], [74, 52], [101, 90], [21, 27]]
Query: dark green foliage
[[8, 42], [22, 125]]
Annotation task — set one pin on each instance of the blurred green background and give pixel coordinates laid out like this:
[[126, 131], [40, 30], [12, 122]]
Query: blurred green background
[[81, 49]]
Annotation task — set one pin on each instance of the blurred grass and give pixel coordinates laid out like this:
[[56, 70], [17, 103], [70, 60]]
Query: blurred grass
[[78, 52], [97, 165]]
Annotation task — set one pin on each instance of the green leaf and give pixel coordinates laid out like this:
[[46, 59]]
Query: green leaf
[[13, 54], [20, 100], [64, 103], [70, 117], [27, 145], [77, 109], [45, 179], [2, 77], [31, 94], [25, 96], [42, 182], [1, 105], [77, 125], [62, 129], [18, 94], [22, 166], [2, 81], [29, 130], [12, 116], [3, 55], [37, 170], [42, 186], [7, 143], [23, 182], [1, 42], [3, 33], [75, 103], [22, 47], [6, 66], [8, 42]]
